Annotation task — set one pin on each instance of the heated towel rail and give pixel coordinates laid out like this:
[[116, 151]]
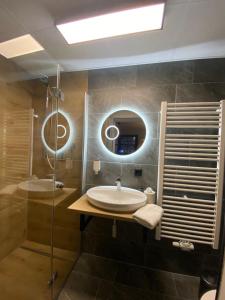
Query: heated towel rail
[[191, 168]]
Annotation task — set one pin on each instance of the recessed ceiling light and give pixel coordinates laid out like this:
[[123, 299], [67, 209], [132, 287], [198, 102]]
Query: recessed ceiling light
[[114, 24], [19, 46]]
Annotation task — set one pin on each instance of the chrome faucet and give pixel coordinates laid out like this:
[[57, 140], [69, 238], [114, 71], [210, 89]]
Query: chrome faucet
[[118, 183]]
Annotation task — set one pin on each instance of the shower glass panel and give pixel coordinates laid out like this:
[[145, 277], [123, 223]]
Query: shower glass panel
[[41, 212], [27, 185], [40, 176], [66, 233]]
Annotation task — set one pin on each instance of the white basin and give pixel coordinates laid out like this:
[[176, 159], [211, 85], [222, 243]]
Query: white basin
[[39, 188], [109, 198]]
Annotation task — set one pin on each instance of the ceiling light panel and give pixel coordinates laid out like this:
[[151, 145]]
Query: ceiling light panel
[[114, 24], [20, 46]]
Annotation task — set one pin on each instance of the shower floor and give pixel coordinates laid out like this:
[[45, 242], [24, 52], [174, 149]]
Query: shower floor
[[24, 273], [98, 278]]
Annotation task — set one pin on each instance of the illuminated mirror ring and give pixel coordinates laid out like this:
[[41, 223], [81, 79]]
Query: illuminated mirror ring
[[117, 132], [64, 133], [71, 131], [131, 132]]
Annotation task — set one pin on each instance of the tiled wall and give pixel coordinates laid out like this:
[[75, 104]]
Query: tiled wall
[[15, 96], [74, 86], [66, 222], [143, 88]]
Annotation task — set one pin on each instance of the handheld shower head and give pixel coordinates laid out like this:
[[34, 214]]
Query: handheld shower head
[[44, 79]]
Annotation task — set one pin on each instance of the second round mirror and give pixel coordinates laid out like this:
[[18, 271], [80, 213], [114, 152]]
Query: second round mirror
[[123, 132]]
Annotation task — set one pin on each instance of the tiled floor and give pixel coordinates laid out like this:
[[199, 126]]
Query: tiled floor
[[24, 275], [97, 278]]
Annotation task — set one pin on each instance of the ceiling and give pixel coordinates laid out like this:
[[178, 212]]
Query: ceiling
[[192, 29]]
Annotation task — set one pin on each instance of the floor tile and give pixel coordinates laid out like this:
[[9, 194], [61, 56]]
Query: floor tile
[[97, 266], [187, 286], [123, 292], [105, 290], [147, 279], [98, 278], [171, 298], [81, 286], [63, 296]]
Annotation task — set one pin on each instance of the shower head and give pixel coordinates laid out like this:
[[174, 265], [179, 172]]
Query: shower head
[[44, 79]]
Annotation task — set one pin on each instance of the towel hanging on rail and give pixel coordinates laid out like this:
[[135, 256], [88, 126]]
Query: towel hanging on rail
[[191, 168]]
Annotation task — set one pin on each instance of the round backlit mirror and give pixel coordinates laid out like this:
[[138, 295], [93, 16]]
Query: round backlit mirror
[[64, 132], [123, 132]]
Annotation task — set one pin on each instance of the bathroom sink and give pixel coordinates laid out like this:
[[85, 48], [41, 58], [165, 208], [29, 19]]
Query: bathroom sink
[[111, 199], [39, 188]]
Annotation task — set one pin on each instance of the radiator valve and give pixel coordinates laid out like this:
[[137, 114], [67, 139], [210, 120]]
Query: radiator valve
[[184, 245]]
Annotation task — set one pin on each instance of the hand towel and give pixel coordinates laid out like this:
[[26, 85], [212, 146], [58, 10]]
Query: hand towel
[[149, 215]]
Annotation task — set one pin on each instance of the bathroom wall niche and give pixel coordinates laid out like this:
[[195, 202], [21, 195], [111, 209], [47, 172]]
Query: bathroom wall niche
[[123, 132]]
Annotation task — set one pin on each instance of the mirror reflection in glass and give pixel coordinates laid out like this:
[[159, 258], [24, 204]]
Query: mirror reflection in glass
[[123, 132], [63, 131]]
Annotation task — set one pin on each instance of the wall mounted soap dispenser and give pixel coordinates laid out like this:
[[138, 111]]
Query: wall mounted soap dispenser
[[96, 166]]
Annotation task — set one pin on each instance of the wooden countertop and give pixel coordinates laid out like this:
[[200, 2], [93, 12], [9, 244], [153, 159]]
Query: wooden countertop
[[82, 206], [59, 200]]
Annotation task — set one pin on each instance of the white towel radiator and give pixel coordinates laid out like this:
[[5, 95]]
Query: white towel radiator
[[191, 170]]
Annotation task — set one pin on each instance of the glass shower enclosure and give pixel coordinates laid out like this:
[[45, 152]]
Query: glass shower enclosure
[[36, 228]]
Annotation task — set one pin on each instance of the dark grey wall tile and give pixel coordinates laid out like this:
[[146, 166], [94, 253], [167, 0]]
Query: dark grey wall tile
[[88, 186], [126, 250], [107, 176], [125, 230], [97, 152], [209, 70], [88, 242], [130, 231], [94, 121], [152, 122], [148, 178], [104, 100], [200, 92], [96, 224], [148, 99], [149, 154], [159, 256], [123, 250], [165, 73], [114, 77]]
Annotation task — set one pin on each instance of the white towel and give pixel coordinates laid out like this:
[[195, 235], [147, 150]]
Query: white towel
[[149, 215]]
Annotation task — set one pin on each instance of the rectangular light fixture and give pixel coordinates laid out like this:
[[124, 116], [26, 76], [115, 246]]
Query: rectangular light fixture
[[20, 46], [114, 24]]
